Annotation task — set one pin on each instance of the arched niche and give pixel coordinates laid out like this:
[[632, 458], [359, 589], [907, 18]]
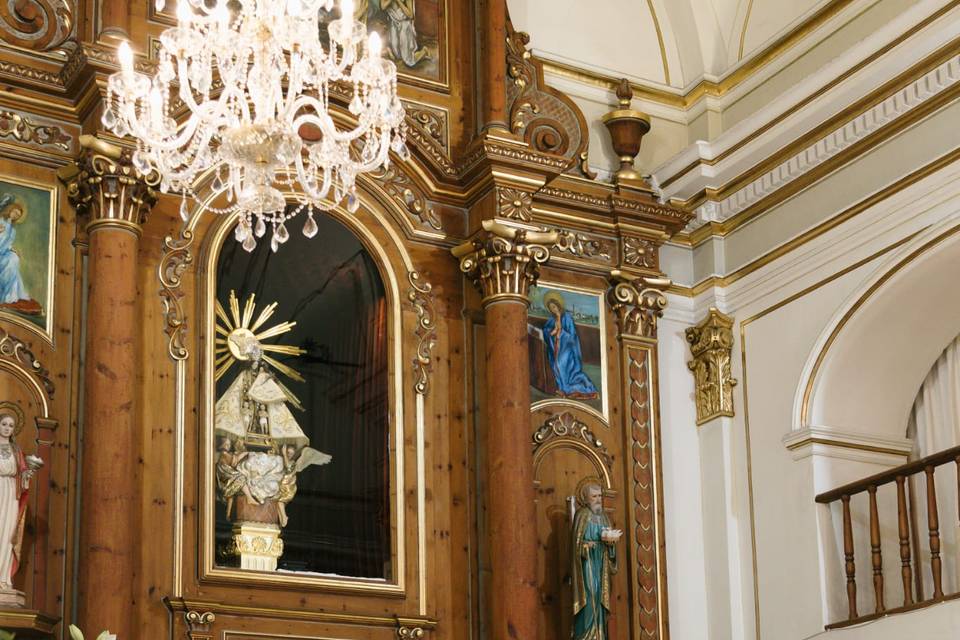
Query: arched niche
[[569, 451], [188, 270], [865, 371]]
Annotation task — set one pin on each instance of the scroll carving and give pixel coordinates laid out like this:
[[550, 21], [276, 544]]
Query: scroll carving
[[17, 351], [711, 343], [410, 633], [401, 188], [174, 261], [23, 129], [421, 297], [583, 246], [38, 25], [566, 426], [547, 119], [433, 122]]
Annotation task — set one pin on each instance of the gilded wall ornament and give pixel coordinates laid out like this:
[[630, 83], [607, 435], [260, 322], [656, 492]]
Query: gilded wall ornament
[[421, 297], [410, 633], [430, 120], [198, 624], [515, 204], [503, 262], [637, 303], [711, 344], [23, 129]]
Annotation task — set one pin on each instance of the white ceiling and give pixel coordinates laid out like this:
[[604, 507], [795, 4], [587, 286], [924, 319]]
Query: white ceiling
[[672, 43]]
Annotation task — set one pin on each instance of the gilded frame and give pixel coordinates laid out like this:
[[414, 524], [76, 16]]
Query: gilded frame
[[604, 414], [396, 585], [53, 191]]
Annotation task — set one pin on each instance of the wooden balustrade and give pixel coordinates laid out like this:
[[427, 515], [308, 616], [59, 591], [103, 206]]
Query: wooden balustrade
[[910, 579]]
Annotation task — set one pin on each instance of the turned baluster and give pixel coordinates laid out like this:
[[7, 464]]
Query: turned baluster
[[875, 553], [933, 525], [848, 557], [903, 524]]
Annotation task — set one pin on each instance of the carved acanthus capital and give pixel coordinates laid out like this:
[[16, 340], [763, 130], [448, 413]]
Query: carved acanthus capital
[[711, 344], [637, 303], [504, 261], [103, 185]]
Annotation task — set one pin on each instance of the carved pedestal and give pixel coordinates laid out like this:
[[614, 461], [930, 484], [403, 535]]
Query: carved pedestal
[[258, 545], [12, 599]]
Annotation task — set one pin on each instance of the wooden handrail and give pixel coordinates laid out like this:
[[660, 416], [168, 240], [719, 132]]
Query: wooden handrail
[[917, 466]]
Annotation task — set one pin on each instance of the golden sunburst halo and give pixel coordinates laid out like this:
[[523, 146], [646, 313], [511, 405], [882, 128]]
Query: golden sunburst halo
[[237, 335]]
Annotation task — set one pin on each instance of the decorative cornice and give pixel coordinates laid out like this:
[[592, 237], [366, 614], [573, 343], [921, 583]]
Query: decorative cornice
[[637, 303], [503, 262], [421, 297], [711, 344], [104, 186], [847, 445]]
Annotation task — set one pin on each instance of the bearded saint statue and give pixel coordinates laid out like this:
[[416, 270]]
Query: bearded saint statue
[[594, 562]]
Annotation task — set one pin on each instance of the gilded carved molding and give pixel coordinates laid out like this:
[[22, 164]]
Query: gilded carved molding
[[711, 344], [103, 185], [420, 296], [647, 522], [432, 121], [637, 304], [503, 262], [640, 252], [16, 351], [26, 130], [566, 426], [582, 245], [404, 192], [174, 261]]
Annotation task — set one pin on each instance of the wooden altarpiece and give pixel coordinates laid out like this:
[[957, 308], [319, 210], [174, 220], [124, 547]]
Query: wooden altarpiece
[[496, 197]]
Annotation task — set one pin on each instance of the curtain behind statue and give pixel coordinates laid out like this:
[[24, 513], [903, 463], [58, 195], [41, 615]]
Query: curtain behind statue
[[934, 425]]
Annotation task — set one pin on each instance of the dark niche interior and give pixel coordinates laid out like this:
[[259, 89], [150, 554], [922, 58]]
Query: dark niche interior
[[339, 520]]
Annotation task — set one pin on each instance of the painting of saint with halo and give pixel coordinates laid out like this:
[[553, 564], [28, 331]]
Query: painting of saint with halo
[[565, 331], [26, 220]]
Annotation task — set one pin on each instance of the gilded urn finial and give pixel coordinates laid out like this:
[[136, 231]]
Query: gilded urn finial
[[626, 127]]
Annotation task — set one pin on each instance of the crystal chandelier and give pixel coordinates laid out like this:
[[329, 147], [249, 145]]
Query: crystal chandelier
[[256, 81]]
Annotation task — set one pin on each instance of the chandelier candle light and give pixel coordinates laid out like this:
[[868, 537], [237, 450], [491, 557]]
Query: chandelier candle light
[[269, 127]]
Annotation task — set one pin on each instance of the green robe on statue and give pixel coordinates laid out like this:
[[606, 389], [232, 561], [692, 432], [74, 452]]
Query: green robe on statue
[[592, 568]]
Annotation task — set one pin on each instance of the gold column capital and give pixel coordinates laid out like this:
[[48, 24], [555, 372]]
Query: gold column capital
[[711, 345], [637, 303], [504, 261], [104, 186]]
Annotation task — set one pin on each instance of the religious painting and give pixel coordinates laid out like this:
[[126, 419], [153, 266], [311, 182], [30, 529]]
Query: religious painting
[[301, 432], [567, 336], [413, 33], [27, 219]]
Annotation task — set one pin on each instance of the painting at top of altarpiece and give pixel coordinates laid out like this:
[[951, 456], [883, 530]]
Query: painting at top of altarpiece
[[413, 34], [566, 333], [302, 417], [26, 253]]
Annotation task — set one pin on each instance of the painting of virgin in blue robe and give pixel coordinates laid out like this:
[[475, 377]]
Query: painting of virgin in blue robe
[[13, 293], [564, 354]]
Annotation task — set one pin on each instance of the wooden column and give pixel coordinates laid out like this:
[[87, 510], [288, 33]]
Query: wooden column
[[493, 64], [115, 199], [503, 262]]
